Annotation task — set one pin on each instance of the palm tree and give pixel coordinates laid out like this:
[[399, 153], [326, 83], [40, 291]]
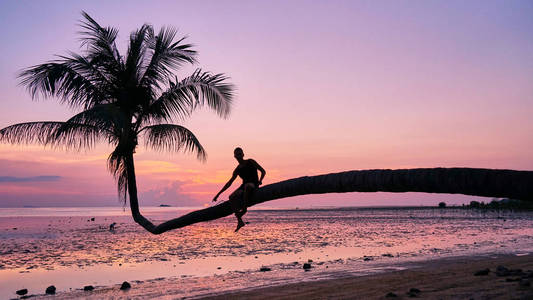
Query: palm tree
[[122, 99], [127, 98]]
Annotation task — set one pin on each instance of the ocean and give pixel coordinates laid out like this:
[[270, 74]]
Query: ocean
[[67, 248]]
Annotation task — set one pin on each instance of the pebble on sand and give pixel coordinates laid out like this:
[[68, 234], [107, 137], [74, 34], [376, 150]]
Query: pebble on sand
[[482, 272], [502, 271], [265, 269], [307, 266], [88, 288], [413, 292], [22, 292], [125, 285], [51, 290]]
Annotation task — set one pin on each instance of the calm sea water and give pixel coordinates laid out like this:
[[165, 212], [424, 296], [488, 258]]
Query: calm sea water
[[64, 247]]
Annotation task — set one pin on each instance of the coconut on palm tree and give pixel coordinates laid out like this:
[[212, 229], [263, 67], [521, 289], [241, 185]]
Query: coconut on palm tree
[[137, 96]]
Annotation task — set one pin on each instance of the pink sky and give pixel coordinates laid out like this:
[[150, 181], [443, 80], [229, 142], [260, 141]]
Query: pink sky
[[321, 87]]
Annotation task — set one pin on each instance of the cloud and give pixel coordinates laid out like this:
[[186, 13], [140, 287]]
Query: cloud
[[45, 178], [173, 194]]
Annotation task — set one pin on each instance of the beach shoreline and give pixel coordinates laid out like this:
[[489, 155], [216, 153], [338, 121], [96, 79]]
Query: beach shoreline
[[444, 278], [448, 278], [210, 260]]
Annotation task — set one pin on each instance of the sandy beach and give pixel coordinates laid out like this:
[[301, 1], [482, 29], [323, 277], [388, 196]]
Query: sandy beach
[[448, 278], [352, 253], [441, 279]]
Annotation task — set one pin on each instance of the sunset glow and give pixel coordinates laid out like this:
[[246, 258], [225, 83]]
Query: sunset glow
[[321, 87]]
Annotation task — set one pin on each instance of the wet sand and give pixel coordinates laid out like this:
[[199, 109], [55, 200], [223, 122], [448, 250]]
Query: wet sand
[[448, 278], [441, 279], [73, 247]]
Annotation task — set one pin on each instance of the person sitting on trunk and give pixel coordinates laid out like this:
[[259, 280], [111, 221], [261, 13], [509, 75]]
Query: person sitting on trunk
[[247, 171]]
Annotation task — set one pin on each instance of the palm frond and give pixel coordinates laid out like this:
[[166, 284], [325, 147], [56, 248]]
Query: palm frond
[[116, 164], [60, 78], [79, 136], [136, 53], [182, 97], [70, 136], [173, 138], [100, 43], [93, 70], [107, 118], [166, 56]]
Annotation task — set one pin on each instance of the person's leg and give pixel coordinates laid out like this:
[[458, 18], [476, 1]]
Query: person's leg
[[236, 205], [249, 188], [235, 200]]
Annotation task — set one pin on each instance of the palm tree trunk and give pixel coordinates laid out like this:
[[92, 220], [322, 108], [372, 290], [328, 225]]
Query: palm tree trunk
[[467, 181], [134, 201], [212, 213]]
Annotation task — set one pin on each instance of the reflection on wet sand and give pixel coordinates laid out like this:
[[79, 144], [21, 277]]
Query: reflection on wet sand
[[71, 252]]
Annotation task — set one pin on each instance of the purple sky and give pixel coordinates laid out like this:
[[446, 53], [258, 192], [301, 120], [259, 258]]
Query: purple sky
[[322, 87]]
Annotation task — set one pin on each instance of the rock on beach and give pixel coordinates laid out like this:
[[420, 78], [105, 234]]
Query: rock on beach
[[482, 272], [413, 292], [22, 292], [125, 286], [51, 290]]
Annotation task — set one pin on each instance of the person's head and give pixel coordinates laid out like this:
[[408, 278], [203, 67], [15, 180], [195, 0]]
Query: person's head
[[238, 154]]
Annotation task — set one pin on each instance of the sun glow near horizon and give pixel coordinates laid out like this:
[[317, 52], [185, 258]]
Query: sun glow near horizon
[[334, 87]]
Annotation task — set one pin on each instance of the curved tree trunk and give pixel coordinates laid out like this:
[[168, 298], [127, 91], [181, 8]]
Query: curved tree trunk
[[134, 201], [467, 181]]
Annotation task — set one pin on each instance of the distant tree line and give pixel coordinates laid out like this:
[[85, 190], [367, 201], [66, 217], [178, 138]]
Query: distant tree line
[[496, 203]]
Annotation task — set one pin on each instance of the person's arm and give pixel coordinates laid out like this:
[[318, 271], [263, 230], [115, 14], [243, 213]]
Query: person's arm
[[263, 172], [227, 185]]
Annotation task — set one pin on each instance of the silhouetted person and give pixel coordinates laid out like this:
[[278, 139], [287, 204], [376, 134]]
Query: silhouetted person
[[247, 170]]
